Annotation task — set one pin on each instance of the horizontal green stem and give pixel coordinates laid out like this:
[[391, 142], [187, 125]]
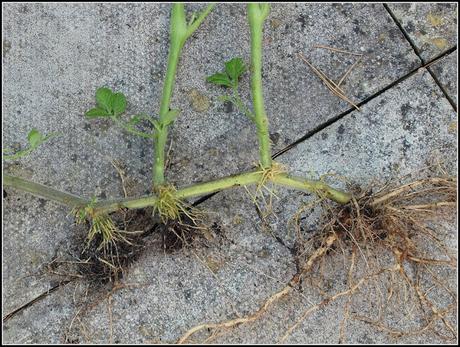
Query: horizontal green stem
[[191, 191], [43, 191], [199, 189], [317, 187], [243, 179], [195, 190]]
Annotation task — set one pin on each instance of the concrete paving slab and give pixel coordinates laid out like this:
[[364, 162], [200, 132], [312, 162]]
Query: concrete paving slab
[[172, 291], [387, 139], [446, 71], [432, 27], [292, 91], [49, 82]]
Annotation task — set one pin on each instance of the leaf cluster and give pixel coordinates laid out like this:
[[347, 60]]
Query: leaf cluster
[[234, 68], [108, 104], [112, 105]]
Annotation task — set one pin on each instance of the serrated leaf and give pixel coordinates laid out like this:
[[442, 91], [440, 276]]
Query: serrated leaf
[[34, 137], [235, 68], [97, 112], [220, 79], [104, 99], [118, 103]]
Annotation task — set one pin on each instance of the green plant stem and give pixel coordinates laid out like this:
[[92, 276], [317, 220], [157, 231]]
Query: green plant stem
[[243, 179], [43, 191], [129, 129], [197, 22], [195, 190], [162, 135], [191, 191], [257, 13], [236, 100], [179, 33], [317, 187]]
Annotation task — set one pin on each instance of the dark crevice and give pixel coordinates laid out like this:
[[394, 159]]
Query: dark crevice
[[417, 52], [365, 101], [33, 301], [343, 114], [266, 225], [369, 98], [406, 35], [435, 78]]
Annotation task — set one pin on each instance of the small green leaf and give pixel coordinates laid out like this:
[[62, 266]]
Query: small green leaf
[[104, 99], [220, 79], [235, 68], [97, 112], [118, 103], [34, 137], [170, 117]]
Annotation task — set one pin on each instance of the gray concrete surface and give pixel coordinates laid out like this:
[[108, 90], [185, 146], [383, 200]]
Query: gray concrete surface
[[432, 27], [292, 91], [447, 73], [55, 56]]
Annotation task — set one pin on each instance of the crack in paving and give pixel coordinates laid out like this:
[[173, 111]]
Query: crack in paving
[[365, 101], [334, 119], [418, 53], [34, 300], [305, 137]]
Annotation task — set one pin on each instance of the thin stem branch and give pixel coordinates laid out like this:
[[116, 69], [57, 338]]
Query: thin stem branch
[[318, 187], [194, 24]]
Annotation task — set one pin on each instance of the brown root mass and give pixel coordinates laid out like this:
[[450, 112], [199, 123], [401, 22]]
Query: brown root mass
[[385, 255]]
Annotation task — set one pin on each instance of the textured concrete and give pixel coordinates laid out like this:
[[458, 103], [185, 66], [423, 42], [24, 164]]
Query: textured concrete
[[432, 27], [55, 56], [292, 90], [446, 71]]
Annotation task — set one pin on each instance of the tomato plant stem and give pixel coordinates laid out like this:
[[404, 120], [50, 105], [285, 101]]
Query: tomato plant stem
[[180, 31], [257, 13]]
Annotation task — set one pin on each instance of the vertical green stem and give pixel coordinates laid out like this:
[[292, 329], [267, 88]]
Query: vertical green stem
[[162, 134], [257, 13], [180, 31]]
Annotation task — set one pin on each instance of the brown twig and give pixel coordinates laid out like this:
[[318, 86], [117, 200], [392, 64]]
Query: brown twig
[[331, 85], [337, 50]]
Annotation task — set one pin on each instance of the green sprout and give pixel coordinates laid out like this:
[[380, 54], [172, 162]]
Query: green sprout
[[35, 139], [234, 69]]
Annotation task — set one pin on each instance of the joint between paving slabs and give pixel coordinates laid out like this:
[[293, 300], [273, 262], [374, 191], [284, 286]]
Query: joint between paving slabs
[[436, 79], [293, 251], [424, 63], [334, 119]]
